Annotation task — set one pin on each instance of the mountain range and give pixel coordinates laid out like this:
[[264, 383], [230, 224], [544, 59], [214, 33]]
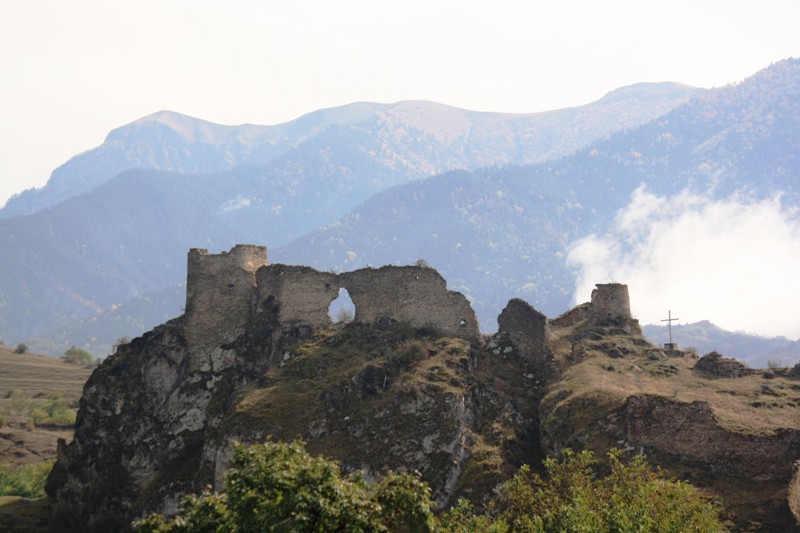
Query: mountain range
[[493, 201]]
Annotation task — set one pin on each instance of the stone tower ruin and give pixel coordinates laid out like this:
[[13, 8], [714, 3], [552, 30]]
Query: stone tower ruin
[[219, 291], [611, 305]]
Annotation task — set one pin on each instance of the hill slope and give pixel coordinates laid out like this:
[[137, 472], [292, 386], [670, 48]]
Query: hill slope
[[123, 238]]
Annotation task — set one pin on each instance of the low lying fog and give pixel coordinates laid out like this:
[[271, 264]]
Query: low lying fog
[[734, 262]]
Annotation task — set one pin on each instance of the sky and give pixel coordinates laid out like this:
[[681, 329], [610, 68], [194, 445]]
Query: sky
[[732, 261], [72, 71]]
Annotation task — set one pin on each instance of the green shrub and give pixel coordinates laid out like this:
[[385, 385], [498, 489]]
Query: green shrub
[[26, 481], [570, 497], [280, 487], [77, 356], [53, 412]]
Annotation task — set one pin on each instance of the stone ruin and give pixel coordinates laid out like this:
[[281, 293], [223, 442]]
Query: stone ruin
[[223, 290], [610, 306]]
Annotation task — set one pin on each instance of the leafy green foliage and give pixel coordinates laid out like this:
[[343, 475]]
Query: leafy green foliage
[[570, 497], [280, 487], [53, 412], [77, 356], [26, 481]]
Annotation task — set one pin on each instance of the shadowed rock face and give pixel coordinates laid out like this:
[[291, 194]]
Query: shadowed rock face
[[794, 493], [527, 331]]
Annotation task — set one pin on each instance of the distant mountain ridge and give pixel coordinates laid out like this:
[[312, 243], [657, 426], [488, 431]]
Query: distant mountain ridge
[[505, 232], [417, 138], [705, 337], [345, 198]]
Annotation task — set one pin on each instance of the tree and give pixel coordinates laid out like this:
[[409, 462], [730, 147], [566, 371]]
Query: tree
[[571, 498], [280, 487], [77, 356], [21, 348]]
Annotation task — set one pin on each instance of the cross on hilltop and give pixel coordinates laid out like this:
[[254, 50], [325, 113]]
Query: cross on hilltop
[[669, 320]]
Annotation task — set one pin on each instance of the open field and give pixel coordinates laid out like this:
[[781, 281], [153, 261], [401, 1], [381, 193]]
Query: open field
[[27, 380]]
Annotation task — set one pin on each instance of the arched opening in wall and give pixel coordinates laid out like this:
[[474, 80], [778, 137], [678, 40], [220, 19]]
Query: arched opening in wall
[[342, 309]]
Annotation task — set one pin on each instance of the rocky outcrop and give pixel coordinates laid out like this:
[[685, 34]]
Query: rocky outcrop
[[527, 330], [714, 365], [398, 388], [793, 494], [410, 385], [691, 431]]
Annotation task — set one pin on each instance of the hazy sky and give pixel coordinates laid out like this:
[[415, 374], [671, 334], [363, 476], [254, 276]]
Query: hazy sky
[[73, 70], [731, 261]]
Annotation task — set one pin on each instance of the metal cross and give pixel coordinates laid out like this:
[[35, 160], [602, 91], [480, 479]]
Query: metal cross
[[669, 323]]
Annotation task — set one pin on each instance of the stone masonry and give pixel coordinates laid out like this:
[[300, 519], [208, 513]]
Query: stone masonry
[[527, 330], [224, 290], [219, 291]]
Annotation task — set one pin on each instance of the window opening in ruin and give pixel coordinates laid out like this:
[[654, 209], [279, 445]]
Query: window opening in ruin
[[462, 323], [342, 310]]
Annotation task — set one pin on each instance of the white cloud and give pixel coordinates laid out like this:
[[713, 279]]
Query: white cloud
[[733, 261]]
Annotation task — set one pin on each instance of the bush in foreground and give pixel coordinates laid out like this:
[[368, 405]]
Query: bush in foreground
[[26, 481], [569, 497], [279, 487]]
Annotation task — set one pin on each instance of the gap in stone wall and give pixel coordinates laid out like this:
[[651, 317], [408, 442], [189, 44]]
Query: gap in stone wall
[[342, 310]]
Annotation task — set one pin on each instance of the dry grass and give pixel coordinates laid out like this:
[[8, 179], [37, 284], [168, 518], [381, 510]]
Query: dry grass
[[35, 377], [38, 375], [751, 404]]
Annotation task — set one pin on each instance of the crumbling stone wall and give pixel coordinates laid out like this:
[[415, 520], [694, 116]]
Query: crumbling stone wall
[[219, 291], [412, 294], [527, 330], [224, 289], [301, 294]]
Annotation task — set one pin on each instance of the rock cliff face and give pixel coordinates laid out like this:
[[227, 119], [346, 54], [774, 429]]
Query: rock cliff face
[[410, 385], [731, 430], [406, 386]]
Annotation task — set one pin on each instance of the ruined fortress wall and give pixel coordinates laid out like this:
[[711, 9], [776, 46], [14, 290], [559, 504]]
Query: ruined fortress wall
[[527, 329], [219, 291], [611, 301], [416, 295], [223, 289], [302, 294]]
